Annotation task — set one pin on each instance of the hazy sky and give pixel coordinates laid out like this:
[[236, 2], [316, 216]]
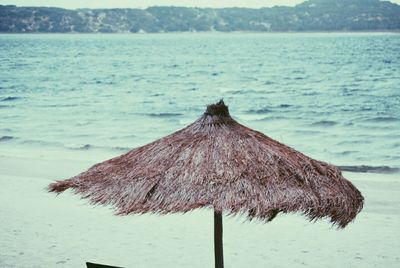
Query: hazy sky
[[146, 3]]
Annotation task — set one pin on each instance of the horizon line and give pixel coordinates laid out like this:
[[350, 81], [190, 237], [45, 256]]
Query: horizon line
[[142, 8]]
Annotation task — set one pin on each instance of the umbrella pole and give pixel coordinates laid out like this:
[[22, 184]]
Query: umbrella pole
[[218, 250]]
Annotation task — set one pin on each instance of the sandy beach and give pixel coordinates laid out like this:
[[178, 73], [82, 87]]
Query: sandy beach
[[39, 229]]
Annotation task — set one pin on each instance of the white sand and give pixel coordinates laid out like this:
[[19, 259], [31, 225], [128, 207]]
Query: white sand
[[38, 229]]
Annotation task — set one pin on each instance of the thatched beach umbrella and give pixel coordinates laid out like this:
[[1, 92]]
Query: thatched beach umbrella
[[218, 163]]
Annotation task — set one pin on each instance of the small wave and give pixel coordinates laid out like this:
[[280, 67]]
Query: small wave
[[366, 109], [383, 119], [10, 98], [102, 82], [121, 149], [157, 94], [6, 138], [87, 147], [258, 111], [56, 105], [83, 147], [164, 114], [347, 152], [123, 137], [216, 73], [5, 106], [298, 72], [268, 83], [234, 92], [270, 118], [371, 169], [352, 142], [82, 123], [245, 91], [324, 123], [312, 93], [308, 132], [396, 145], [285, 106], [41, 143]]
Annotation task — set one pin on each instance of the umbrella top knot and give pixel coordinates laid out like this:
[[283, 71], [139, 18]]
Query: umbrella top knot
[[217, 109]]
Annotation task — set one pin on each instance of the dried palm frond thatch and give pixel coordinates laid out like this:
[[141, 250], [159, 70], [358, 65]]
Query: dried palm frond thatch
[[218, 163]]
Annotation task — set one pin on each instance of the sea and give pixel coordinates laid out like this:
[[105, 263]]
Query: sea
[[332, 96]]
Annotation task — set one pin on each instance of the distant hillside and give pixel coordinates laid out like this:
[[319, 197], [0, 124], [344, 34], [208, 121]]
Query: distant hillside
[[312, 15]]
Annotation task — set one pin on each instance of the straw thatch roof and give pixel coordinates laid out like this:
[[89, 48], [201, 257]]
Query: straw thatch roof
[[218, 163]]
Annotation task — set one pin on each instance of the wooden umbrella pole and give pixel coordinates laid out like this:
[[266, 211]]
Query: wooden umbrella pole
[[218, 249]]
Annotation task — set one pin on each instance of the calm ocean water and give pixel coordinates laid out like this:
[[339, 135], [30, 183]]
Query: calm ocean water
[[335, 97]]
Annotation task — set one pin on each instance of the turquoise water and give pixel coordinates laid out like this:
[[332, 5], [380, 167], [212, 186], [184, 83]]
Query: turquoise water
[[332, 96]]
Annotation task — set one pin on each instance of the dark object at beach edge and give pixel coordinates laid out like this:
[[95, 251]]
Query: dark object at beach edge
[[370, 169], [95, 265]]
